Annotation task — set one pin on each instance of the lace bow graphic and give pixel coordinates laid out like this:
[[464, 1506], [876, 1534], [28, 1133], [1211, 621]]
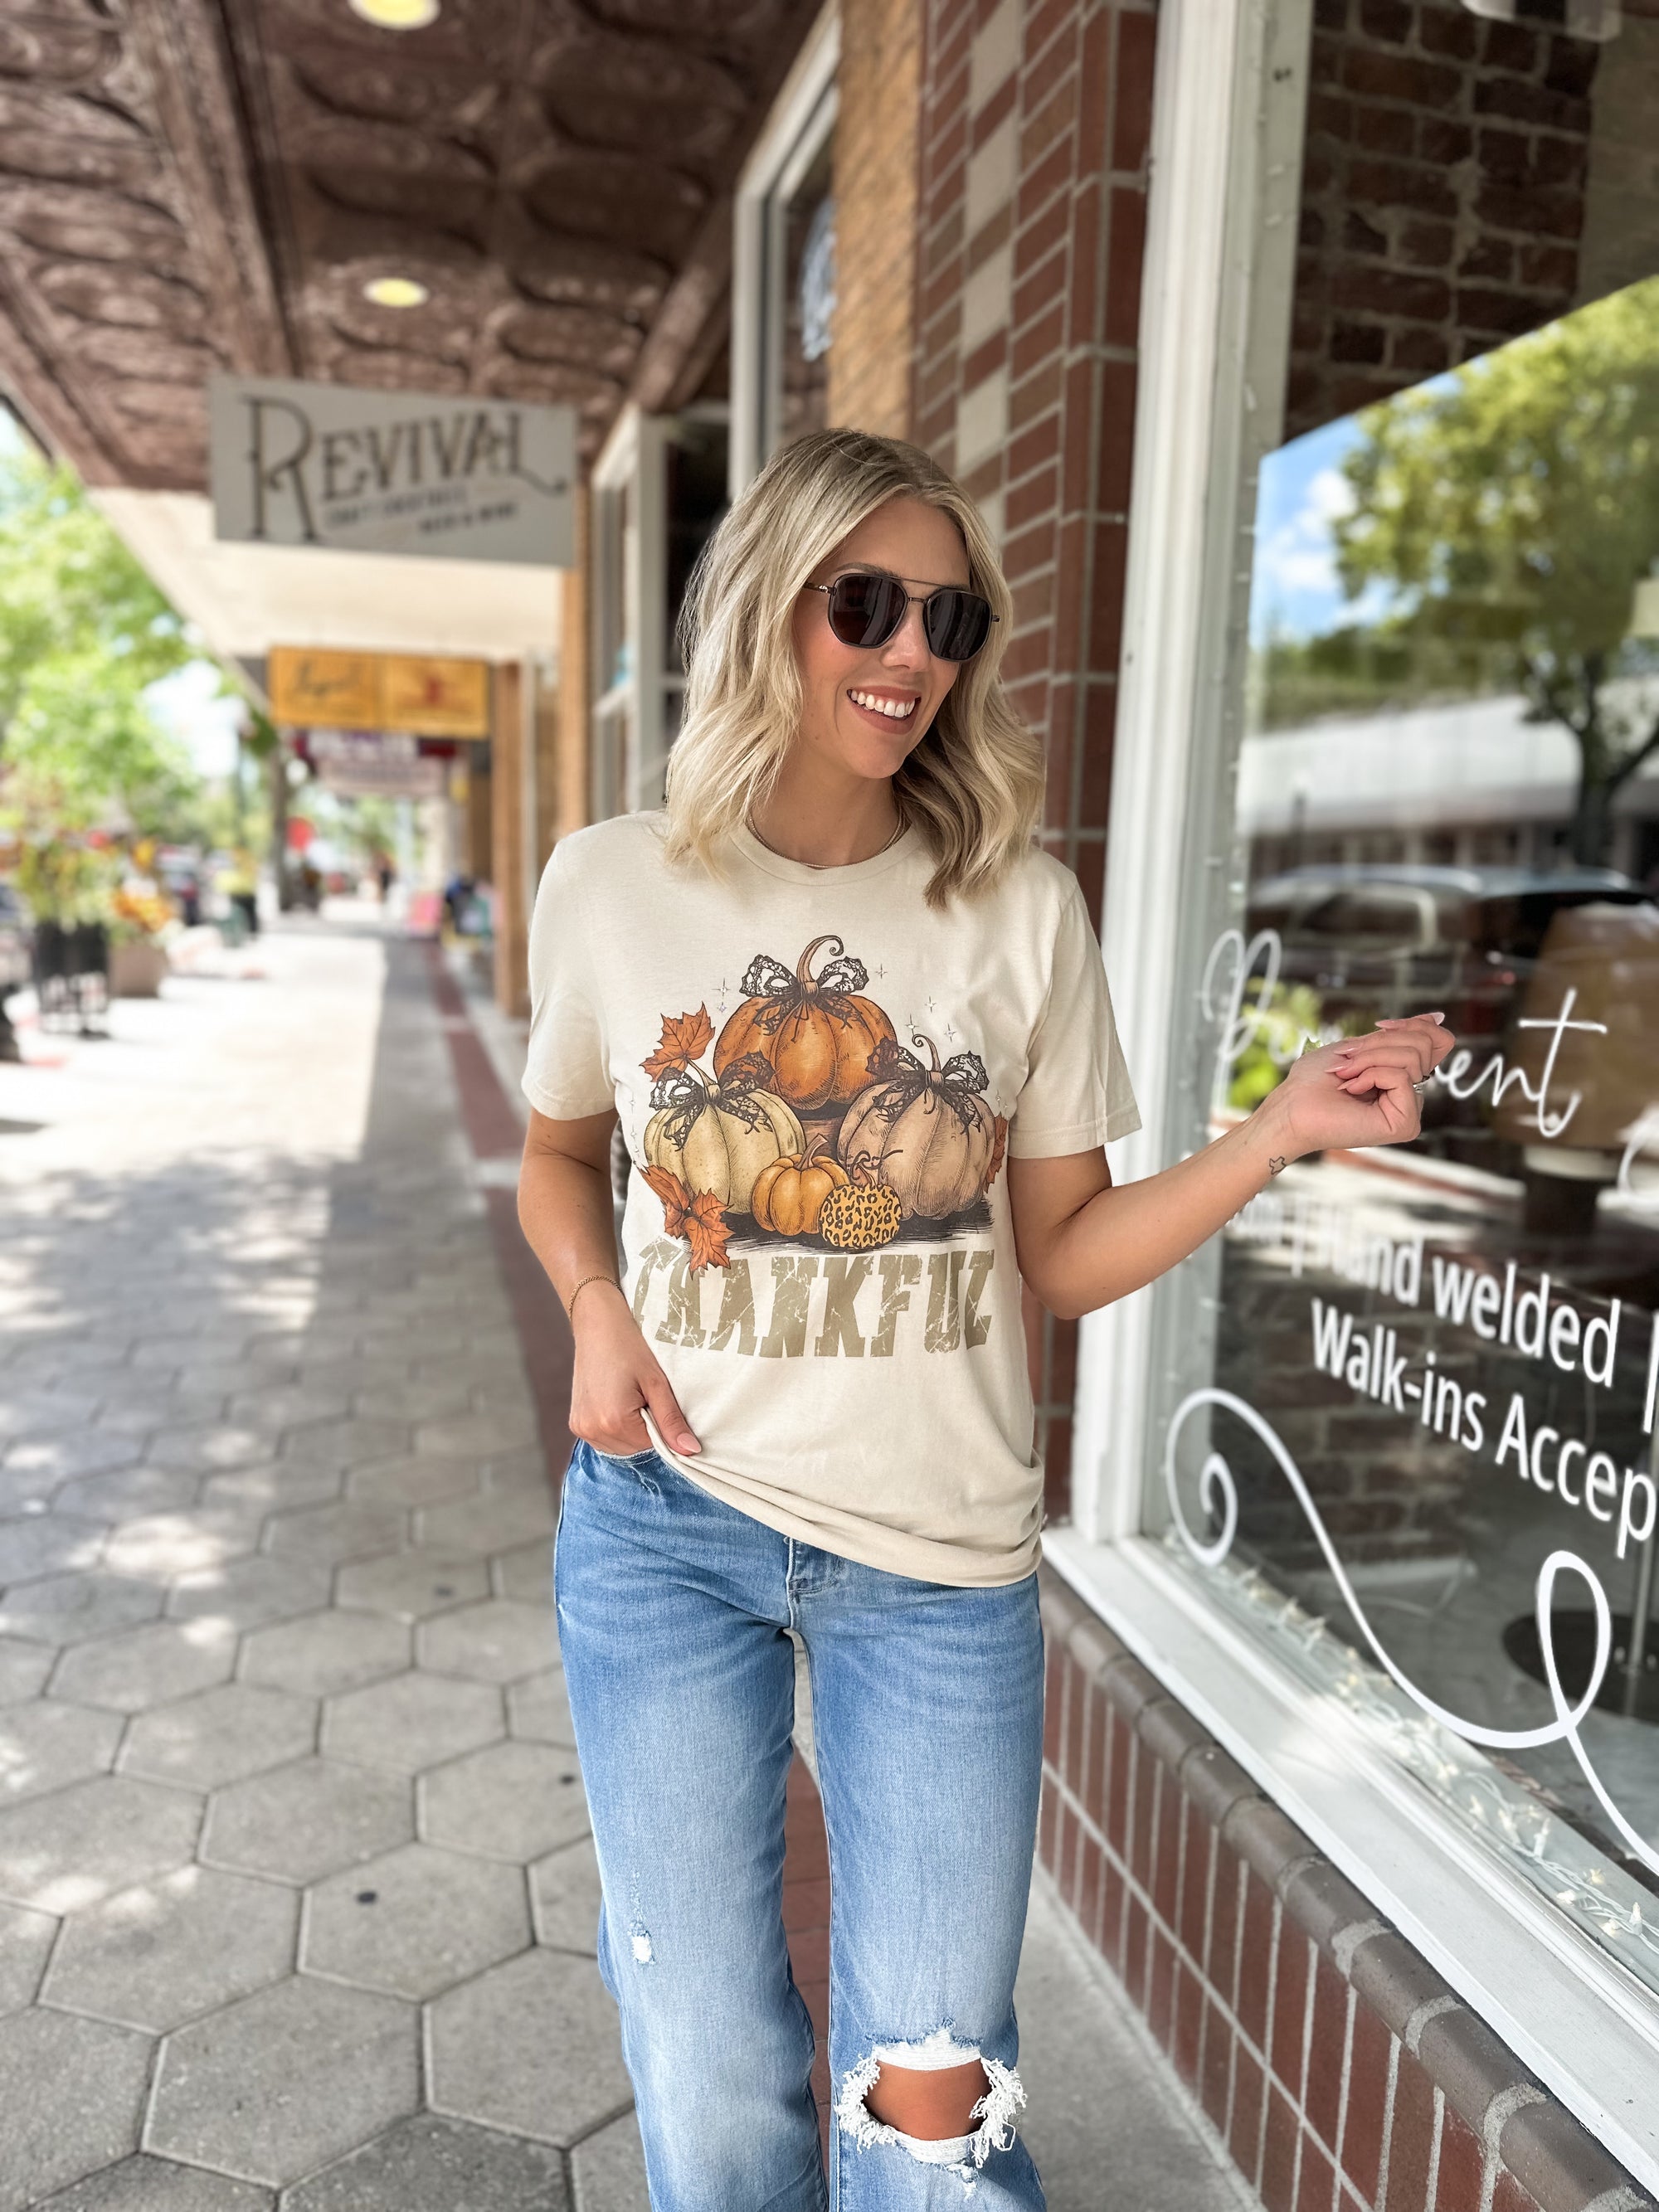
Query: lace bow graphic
[[785, 989], [903, 1078], [687, 1091]]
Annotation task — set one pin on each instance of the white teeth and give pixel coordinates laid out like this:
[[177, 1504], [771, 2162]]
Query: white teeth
[[896, 710]]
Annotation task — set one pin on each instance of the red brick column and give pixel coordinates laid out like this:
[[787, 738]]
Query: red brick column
[[1035, 117]]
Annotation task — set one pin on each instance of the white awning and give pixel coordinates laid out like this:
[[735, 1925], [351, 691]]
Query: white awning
[[246, 599]]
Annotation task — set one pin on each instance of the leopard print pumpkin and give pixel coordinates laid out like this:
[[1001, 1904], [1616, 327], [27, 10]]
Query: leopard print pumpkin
[[858, 1216]]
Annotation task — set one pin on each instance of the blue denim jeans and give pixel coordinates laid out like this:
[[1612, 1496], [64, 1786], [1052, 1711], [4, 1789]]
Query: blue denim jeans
[[927, 1717]]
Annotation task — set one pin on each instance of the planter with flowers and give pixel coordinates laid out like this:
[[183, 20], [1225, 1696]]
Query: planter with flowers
[[137, 956]]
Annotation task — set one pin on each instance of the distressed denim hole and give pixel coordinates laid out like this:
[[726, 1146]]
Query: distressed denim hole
[[964, 2154]]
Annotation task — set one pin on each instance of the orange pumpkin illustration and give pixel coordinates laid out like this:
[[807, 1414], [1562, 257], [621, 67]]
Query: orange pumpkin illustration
[[815, 1031], [789, 1194], [925, 1129], [863, 1212]]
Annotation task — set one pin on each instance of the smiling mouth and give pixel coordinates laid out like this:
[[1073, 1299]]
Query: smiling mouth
[[896, 710]]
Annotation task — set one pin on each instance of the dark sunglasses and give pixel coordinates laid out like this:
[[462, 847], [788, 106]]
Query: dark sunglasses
[[866, 610]]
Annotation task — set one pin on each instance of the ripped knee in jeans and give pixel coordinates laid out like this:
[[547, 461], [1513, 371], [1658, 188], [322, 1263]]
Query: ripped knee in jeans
[[993, 2106]]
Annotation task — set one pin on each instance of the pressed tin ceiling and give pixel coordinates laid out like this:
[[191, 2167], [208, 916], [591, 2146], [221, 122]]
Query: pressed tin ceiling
[[191, 185]]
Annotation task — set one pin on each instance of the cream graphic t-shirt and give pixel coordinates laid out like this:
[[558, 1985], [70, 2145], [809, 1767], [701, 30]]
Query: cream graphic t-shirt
[[819, 1076]]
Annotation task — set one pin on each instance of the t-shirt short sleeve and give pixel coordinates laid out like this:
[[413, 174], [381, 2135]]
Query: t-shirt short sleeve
[[1076, 1094], [566, 1074]]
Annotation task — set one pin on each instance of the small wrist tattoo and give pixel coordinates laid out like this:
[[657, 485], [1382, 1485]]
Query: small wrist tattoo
[[1277, 1165]]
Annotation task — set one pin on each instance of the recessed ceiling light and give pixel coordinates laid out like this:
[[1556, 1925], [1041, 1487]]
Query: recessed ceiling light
[[397, 292], [396, 15]]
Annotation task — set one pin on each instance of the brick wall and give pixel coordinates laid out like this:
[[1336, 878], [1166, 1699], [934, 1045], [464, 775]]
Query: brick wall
[[1032, 183], [1339, 2071], [1442, 198], [875, 187]]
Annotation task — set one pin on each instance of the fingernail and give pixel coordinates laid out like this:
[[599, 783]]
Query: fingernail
[[1437, 1017], [689, 1444]]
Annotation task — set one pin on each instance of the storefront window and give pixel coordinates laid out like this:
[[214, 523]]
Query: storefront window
[[1405, 1409], [783, 292], [658, 491], [615, 601], [808, 301]]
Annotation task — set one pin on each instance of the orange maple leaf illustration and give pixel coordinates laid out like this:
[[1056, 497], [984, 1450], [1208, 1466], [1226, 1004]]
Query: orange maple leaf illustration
[[698, 1218], [674, 1194], [999, 1149], [705, 1225], [683, 1041]]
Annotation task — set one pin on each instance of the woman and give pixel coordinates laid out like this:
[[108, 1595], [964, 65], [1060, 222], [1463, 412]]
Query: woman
[[857, 1030]]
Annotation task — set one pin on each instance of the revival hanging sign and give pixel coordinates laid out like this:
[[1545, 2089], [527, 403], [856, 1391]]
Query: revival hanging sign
[[452, 479]]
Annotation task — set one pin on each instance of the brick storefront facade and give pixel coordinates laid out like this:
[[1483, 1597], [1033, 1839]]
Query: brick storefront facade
[[991, 168], [1340, 2073]]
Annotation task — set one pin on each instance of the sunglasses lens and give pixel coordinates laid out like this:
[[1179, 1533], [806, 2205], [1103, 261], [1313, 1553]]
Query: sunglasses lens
[[958, 623], [865, 611]]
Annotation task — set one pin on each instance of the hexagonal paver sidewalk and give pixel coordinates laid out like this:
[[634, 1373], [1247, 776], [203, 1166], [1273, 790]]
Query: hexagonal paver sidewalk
[[298, 1906], [72, 2091], [273, 2087]]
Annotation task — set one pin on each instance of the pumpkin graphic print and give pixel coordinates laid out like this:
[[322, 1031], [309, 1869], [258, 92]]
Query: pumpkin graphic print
[[809, 1123]]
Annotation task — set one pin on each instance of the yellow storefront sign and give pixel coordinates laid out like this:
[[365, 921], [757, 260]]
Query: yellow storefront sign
[[436, 698], [339, 691], [423, 697]]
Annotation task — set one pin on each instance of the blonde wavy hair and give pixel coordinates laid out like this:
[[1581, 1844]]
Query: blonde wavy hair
[[972, 786]]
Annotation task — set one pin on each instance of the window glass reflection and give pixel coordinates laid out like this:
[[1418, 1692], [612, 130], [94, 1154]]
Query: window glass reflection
[[1421, 1376]]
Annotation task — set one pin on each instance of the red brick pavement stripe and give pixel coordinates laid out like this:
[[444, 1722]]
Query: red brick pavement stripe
[[495, 1133], [493, 1129], [543, 1332]]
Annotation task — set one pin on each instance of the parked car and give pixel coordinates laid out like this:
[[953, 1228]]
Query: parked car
[[1491, 947], [1387, 940]]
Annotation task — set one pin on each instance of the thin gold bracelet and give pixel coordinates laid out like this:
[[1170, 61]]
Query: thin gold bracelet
[[600, 1277]]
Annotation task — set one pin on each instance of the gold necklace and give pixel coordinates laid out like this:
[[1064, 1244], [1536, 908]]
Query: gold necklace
[[899, 828]]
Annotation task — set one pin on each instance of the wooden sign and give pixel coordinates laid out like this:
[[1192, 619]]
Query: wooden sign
[[332, 690], [408, 472], [423, 697], [435, 698]]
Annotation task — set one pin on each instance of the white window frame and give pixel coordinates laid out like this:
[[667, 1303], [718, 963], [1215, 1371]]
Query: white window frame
[[793, 137], [1230, 97], [630, 463]]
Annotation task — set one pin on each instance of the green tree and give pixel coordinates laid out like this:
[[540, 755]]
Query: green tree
[[1513, 507], [82, 633]]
